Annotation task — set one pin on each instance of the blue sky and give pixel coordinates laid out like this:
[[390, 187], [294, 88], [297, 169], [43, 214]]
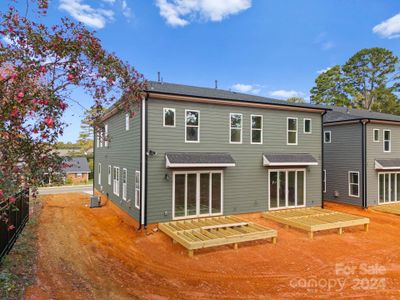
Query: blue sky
[[265, 47]]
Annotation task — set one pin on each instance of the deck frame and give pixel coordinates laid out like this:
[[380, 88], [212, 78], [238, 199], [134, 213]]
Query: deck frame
[[316, 219], [390, 208], [201, 233]]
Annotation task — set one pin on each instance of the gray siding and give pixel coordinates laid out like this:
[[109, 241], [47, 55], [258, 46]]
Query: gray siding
[[246, 185], [375, 151], [123, 151], [342, 155]]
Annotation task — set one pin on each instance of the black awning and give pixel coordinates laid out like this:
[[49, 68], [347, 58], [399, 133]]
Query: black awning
[[387, 164], [198, 159], [288, 159]]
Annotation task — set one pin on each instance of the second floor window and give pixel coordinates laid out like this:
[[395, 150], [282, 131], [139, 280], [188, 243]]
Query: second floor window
[[376, 135], [256, 129], [386, 141], [292, 131], [106, 135], [235, 128], [169, 117], [307, 126], [327, 137], [127, 117], [192, 126]]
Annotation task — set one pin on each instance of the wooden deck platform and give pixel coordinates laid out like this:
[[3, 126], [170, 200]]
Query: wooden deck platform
[[215, 231], [393, 208], [316, 219]]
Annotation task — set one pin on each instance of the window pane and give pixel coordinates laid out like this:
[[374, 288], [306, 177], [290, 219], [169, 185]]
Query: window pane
[[354, 189], [291, 188], [354, 178], [300, 187], [382, 188], [387, 135], [327, 137], [282, 189], [235, 135], [216, 193], [307, 125], [292, 137], [192, 118], [386, 187], [191, 194], [179, 195], [192, 134], [204, 193], [256, 122], [292, 124], [169, 117], [256, 136], [392, 187], [387, 145], [236, 121], [376, 135], [273, 185]]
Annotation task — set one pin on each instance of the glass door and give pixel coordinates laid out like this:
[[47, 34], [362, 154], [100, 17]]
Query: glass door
[[389, 187], [286, 188]]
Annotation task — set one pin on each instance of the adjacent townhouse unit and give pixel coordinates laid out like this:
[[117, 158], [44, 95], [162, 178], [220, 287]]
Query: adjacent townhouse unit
[[361, 157], [193, 152]]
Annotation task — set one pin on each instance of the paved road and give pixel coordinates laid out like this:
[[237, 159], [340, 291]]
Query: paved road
[[66, 189]]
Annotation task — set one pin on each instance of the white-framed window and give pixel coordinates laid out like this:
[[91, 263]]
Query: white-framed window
[[106, 135], [116, 181], [387, 143], [376, 135], [79, 175], [137, 189], [99, 173], [256, 129], [124, 183], [109, 175], [101, 138], [169, 117], [192, 126], [324, 182], [127, 119], [292, 130], [354, 183], [97, 139], [307, 126], [327, 137], [235, 128]]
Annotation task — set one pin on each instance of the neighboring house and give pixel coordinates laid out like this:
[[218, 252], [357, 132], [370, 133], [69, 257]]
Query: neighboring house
[[361, 157], [76, 169], [194, 152]]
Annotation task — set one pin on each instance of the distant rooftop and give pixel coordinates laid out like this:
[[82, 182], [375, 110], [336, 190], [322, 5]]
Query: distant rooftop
[[339, 114], [76, 165], [216, 93]]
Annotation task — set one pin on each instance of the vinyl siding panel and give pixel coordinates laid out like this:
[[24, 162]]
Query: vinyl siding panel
[[375, 151], [246, 184], [342, 155], [123, 151]]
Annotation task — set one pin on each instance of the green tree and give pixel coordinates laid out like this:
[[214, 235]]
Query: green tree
[[296, 100]]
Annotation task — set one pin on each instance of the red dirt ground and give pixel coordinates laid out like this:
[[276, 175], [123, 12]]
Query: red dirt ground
[[97, 254]]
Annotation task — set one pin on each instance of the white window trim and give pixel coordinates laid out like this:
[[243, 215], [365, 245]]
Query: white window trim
[[116, 182], [99, 173], [97, 139], [373, 135], [163, 116], [124, 185], [286, 185], [106, 135], [137, 190], [109, 174], [257, 129], [101, 138], [330, 137], [324, 182], [197, 193], [287, 131], [127, 120], [304, 126], [230, 128], [384, 140], [358, 183], [194, 126]]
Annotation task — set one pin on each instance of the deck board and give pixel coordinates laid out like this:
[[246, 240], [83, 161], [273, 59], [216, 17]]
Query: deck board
[[393, 208]]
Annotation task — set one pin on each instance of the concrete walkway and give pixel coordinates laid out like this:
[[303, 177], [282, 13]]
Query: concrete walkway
[[66, 189]]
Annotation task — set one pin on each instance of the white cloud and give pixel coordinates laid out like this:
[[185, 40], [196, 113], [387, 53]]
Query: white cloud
[[126, 10], [93, 17], [286, 93], [327, 45], [6, 39], [389, 28], [323, 70], [182, 12], [246, 88]]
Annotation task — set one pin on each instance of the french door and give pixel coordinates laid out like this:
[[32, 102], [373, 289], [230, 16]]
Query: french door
[[286, 188], [389, 187], [197, 194]]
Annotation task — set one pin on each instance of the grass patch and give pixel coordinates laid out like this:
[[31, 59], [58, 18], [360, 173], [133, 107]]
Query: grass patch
[[17, 270]]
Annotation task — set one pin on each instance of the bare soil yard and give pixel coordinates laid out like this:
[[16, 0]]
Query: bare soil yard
[[97, 254]]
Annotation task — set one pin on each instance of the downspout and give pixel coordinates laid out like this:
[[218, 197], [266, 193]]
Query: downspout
[[322, 157], [146, 162], [364, 163], [94, 158], [143, 163]]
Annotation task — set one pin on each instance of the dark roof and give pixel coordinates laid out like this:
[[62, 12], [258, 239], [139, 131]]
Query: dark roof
[[199, 158], [387, 163], [213, 93], [339, 114], [76, 165], [276, 159]]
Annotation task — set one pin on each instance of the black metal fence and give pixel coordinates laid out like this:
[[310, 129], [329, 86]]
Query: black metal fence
[[17, 218]]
